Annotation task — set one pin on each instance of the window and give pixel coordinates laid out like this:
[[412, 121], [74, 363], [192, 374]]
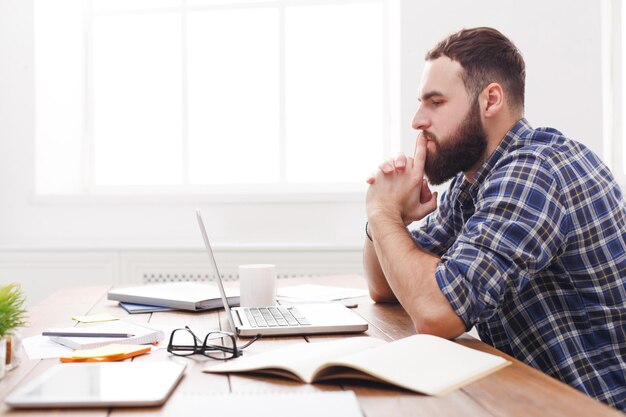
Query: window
[[620, 109], [173, 96], [614, 87]]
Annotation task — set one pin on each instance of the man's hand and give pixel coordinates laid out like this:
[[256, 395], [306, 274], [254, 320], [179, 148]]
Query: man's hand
[[398, 189]]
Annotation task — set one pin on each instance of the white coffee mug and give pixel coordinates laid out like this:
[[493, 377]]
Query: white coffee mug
[[257, 285]]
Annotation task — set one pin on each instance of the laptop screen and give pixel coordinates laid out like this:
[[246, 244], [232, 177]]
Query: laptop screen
[[216, 272]]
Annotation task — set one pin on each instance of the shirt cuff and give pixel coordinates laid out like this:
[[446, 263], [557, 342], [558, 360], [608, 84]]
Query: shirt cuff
[[459, 294]]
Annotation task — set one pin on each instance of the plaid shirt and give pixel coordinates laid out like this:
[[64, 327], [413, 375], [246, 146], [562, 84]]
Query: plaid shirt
[[534, 255]]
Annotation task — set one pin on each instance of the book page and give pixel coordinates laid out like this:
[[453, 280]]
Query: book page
[[420, 363], [301, 360]]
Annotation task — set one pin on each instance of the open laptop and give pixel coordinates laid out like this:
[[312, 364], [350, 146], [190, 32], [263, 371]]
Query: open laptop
[[279, 320]]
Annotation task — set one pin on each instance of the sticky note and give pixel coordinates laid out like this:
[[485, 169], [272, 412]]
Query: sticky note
[[112, 352], [92, 318]]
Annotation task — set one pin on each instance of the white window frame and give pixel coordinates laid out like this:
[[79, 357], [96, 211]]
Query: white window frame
[[277, 192], [612, 86]]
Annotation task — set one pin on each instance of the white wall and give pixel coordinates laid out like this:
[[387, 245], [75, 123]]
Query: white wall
[[560, 40]]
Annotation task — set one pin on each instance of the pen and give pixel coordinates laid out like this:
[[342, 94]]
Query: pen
[[86, 334]]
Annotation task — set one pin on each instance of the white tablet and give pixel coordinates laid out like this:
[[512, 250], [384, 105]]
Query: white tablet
[[108, 384]]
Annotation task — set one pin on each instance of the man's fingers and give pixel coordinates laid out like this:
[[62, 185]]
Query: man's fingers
[[419, 157], [425, 193], [387, 166], [430, 205], [392, 164], [400, 161], [372, 179]]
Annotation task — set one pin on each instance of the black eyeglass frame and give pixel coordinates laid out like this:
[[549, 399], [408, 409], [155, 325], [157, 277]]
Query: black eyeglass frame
[[206, 348]]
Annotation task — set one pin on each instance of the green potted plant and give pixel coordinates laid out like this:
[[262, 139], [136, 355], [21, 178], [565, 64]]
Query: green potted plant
[[12, 316]]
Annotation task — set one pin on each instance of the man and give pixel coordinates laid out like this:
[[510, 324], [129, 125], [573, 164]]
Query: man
[[528, 243]]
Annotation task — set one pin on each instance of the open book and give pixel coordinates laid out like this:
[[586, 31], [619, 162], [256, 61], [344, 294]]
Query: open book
[[421, 363]]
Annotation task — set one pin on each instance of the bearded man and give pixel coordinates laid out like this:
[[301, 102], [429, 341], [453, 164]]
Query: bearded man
[[528, 242]]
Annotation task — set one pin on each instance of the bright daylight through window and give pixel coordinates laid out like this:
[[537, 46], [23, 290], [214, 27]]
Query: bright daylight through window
[[175, 94]]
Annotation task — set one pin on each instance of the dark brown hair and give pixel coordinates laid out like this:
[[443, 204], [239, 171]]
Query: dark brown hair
[[486, 56]]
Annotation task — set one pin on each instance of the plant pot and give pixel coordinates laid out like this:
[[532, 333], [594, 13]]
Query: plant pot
[[3, 356], [13, 350]]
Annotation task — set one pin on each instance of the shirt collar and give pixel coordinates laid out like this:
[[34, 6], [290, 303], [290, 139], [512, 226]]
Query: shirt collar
[[518, 131]]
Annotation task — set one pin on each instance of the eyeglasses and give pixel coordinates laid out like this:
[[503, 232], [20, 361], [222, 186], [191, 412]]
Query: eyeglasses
[[216, 345]]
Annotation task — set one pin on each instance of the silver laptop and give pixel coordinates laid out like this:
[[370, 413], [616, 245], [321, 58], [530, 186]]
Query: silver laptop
[[278, 320]]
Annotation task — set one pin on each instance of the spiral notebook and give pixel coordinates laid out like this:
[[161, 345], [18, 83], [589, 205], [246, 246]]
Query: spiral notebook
[[142, 335]]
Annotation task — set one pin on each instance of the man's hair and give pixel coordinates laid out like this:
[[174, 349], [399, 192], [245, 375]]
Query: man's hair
[[486, 56]]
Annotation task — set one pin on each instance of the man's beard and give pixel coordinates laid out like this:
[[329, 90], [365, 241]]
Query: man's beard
[[460, 152]]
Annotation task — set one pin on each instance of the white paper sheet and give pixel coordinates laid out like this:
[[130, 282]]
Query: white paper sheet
[[312, 292], [271, 404], [41, 347]]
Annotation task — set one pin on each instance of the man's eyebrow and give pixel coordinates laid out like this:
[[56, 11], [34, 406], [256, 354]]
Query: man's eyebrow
[[430, 94]]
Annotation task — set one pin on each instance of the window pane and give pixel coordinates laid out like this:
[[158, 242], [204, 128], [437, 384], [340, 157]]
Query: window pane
[[224, 2], [623, 80], [137, 99], [233, 91], [59, 96], [334, 97], [115, 5]]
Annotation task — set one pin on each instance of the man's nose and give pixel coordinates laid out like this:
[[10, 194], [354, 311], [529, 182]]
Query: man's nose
[[420, 120]]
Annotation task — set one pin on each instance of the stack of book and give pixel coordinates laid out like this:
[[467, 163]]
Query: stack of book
[[189, 296]]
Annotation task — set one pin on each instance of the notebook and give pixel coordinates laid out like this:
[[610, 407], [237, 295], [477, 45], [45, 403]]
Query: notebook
[[192, 296], [142, 335], [108, 353], [142, 308], [107, 384], [313, 318]]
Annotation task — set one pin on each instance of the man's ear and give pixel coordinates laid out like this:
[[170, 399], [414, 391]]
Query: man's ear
[[492, 99]]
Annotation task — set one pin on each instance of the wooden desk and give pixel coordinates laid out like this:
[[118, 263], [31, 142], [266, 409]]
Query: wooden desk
[[517, 390]]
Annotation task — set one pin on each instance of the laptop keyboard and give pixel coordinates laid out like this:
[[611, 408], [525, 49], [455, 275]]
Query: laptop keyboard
[[275, 317]]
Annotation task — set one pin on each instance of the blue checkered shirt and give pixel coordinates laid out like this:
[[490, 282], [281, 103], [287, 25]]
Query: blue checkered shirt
[[534, 255]]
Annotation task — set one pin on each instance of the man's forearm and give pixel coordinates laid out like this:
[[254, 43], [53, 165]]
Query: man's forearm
[[410, 274], [377, 283], [403, 265]]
